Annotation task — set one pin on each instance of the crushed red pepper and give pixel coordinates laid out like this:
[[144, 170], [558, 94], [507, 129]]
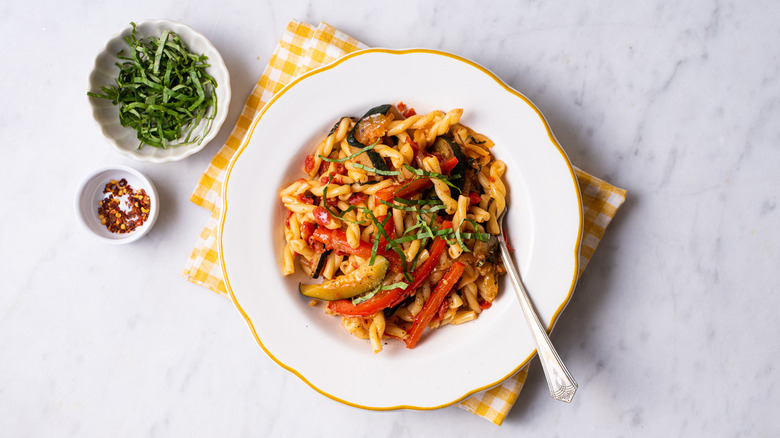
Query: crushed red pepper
[[123, 219]]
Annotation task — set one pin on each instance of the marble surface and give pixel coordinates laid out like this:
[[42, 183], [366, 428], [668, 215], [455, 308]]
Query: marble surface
[[672, 330]]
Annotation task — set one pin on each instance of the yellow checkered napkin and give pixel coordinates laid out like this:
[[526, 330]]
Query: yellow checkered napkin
[[302, 48]]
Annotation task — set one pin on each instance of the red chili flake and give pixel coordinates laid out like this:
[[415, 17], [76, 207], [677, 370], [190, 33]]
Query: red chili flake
[[485, 305], [321, 216], [357, 198], [409, 113], [308, 163], [474, 198], [401, 107], [123, 219]]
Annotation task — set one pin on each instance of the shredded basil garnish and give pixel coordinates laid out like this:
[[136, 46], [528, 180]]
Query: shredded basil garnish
[[375, 248], [413, 209], [341, 160], [377, 171], [163, 91], [477, 234], [390, 242], [425, 173], [366, 296], [418, 201], [458, 236]]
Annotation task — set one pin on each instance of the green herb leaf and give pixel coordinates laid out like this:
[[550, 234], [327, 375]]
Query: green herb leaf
[[368, 295], [341, 160], [458, 237], [377, 171], [413, 209], [425, 173], [418, 201], [163, 91], [478, 234], [381, 230]]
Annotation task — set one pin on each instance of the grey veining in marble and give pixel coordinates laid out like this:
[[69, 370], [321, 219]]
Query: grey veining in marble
[[671, 332]]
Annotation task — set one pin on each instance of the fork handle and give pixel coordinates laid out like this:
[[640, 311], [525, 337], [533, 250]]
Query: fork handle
[[559, 380]]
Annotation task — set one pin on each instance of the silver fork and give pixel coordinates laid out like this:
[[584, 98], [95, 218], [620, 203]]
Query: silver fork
[[559, 380]]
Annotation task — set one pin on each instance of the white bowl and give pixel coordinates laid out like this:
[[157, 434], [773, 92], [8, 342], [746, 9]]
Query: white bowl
[[106, 114], [90, 193]]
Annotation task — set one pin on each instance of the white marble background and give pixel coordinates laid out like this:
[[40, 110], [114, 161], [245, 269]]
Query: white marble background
[[672, 330]]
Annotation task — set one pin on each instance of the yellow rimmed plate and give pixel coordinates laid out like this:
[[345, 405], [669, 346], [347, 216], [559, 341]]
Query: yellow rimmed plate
[[544, 221]]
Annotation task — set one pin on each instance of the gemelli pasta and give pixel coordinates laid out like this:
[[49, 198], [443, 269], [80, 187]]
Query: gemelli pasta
[[397, 212]]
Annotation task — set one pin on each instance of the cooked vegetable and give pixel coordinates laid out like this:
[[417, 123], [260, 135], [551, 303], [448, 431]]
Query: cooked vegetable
[[370, 129], [434, 302], [363, 279], [163, 91], [337, 240], [377, 160], [394, 297], [319, 262], [404, 191]]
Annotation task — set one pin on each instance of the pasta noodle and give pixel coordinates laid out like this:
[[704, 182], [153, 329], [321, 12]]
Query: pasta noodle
[[398, 213]]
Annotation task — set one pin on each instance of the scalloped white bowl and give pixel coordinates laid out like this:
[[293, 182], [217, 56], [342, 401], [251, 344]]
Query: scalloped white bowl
[[544, 217], [106, 114]]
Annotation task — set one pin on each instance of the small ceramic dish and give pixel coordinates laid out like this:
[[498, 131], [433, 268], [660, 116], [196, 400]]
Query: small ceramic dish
[[106, 114], [90, 194]]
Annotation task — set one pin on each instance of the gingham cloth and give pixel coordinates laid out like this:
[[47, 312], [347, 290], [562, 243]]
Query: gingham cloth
[[302, 48]]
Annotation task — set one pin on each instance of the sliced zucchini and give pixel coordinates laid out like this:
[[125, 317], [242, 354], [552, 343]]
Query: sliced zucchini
[[336, 126], [359, 281], [377, 161], [320, 263]]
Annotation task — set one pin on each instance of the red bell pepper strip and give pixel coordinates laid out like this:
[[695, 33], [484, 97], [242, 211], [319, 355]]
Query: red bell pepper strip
[[393, 297], [337, 240], [403, 190], [412, 188], [431, 306], [448, 164]]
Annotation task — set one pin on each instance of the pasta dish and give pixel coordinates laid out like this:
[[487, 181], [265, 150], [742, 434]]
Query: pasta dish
[[398, 213]]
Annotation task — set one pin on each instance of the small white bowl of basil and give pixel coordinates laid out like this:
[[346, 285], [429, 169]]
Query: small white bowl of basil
[[159, 91]]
